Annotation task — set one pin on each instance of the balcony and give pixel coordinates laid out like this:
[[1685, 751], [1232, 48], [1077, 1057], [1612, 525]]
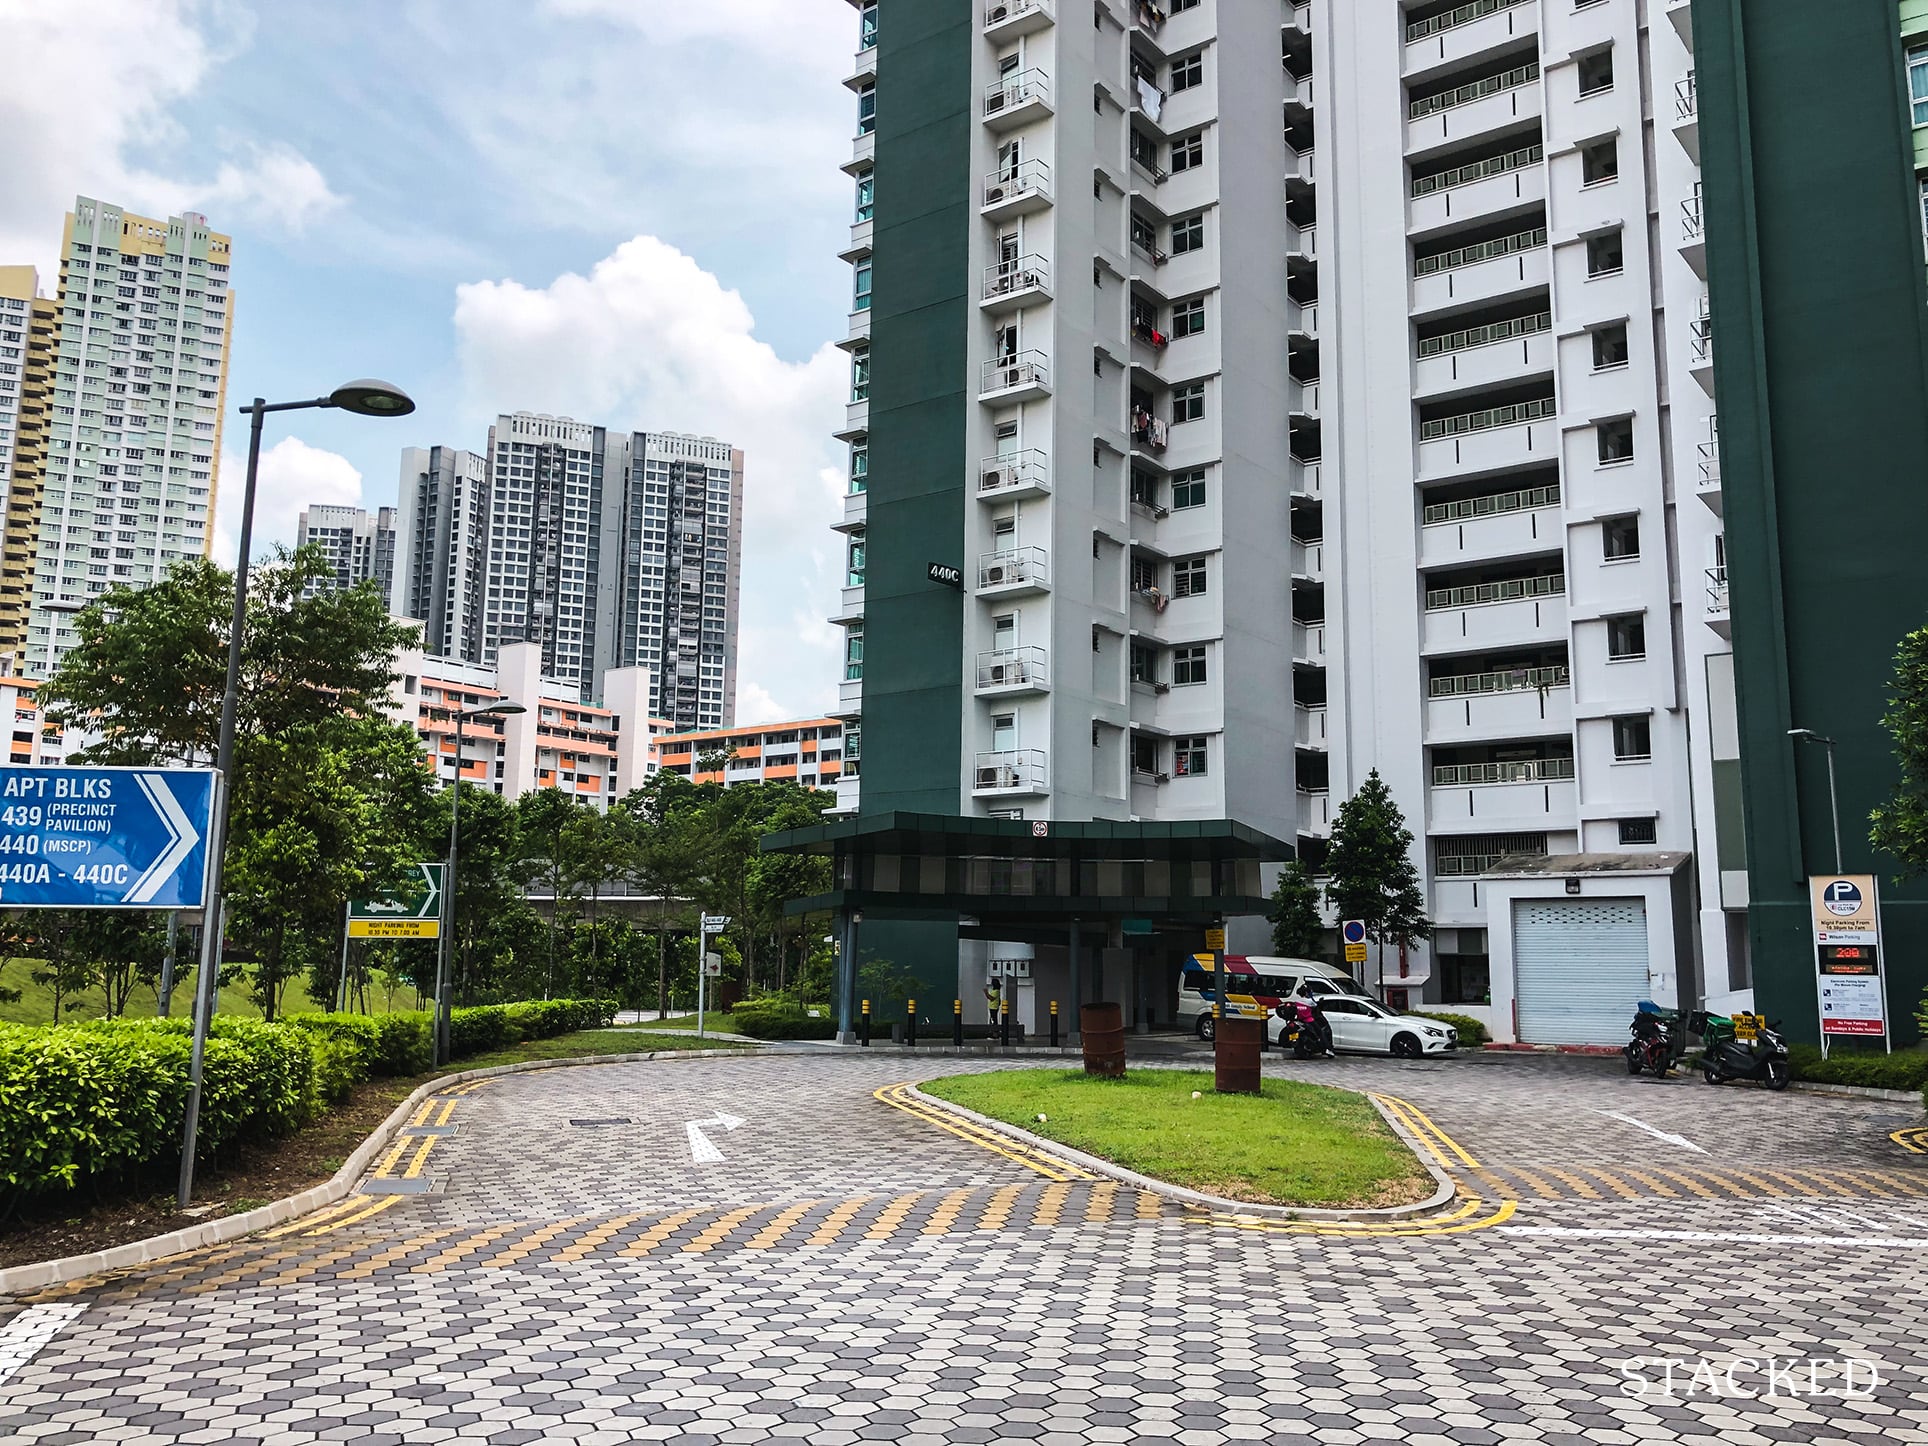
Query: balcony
[[1477, 529], [1707, 470], [1518, 770], [1309, 726], [1468, 31], [1693, 232], [1308, 560], [1687, 115], [1301, 242], [1007, 20], [1491, 438], [863, 154], [1013, 670], [1514, 613], [1315, 812], [1298, 166], [1472, 275], [1017, 99], [1016, 191], [1012, 284], [850, 699], [1302, 319], [1507, 703], [1700, 346], [1309, 643], [1483, 356], [1021, 475], [1012, 773], [1013, 572], [1307, 480], [1719, 616], [1515, 181], [1025, 377], [1480, 107], [1505, 797], [1303, 399], [863, 70], [850, 605], [856, 512]]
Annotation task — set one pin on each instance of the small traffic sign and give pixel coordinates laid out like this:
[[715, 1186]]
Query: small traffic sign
[[713, 922], [1355, 953], [712, 964], [411, 910], [1215, 940], [104, 838], [1353, 932]]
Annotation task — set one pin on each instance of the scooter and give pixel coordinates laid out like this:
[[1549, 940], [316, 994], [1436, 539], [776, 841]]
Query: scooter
[[1304, 1030], [1652, 1044], [1762, 1059]]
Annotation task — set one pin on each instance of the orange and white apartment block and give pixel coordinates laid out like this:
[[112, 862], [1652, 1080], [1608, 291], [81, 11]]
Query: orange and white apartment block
[[809, 751], [596, 754], [33, 742]]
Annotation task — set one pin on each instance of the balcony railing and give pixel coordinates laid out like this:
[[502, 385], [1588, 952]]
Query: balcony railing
[[1460, 857], [1686, 98], [1717, 589], [1013, 181], [1501, 680], [1466, 94], [1487, 419], [1522, 500], [1026, 273], [1021, 471], [1012, 770], [1553, 584], [1023, 87], [1518, 160], [1026, 369], [1013, 668], [1692, 223], [1519, 770], [1477, 336], [1462, 15], [1485, 251], [1014, 566], [1005, 12], [1709, 455]]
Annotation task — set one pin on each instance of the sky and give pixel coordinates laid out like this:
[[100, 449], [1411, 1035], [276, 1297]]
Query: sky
[[622, 211]]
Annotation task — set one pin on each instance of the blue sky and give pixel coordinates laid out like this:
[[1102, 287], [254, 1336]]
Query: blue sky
[[626, 211]]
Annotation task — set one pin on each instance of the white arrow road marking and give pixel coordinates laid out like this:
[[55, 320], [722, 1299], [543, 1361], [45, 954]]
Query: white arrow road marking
[[22, 1337], [1680, 1140], [702, 1150], [181, 835]]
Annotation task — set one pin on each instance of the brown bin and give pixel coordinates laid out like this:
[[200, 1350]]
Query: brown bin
[[1102, 1027], [1237, 1050]]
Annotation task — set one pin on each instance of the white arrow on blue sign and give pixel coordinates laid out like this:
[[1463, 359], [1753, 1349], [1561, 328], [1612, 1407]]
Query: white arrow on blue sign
[[104, 838]]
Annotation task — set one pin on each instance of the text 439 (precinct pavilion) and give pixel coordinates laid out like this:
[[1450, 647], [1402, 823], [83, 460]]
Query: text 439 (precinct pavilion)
[[104, 838]]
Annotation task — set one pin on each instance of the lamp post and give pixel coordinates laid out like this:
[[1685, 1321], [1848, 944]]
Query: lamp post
[[445, 950], [365, 397], [1808, 735]]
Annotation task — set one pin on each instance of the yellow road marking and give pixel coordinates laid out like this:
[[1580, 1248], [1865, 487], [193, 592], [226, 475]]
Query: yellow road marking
[[448, 1108], [834, 1223], [421, 1115], [1098, 1203], [1686, 1181], [1052, 1205], [394, 1253], [463, 1249], [414, 1169], [652, 1237], [1049, 1166], [1617, 1185], [596, 1237], [1567, 1177], [1540, 1187], [946, 1213], [319, 1217], [885, 1225], [1434, 1130], [1666, 1192], [1466, 1218], [366, 1213], [1755, 1178], [1911, 1139], [780, 1226], [1150, 1206], [999, 1210], [401, 1148], [529, 1244], [713, 1234], [1398, 1112]]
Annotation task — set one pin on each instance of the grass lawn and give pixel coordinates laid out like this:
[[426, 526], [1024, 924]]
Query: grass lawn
[[1295, 1144], [717, 1021], [36, 1003]]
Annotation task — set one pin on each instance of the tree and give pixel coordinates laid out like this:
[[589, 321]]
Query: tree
[[1297, 930], [1373, 877], [1900, 826], [546, 822]]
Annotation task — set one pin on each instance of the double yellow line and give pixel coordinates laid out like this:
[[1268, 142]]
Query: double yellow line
[[1914, 1139], [1050, 1166], [1440, 1145]]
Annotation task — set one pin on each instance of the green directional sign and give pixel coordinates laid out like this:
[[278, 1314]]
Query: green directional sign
[[413, 910]]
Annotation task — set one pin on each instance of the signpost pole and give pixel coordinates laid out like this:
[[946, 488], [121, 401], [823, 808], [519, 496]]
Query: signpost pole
[[167, 961], [341, 984], [702, 970]]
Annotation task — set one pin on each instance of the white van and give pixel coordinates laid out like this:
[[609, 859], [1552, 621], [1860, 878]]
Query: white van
[[1255, 985]]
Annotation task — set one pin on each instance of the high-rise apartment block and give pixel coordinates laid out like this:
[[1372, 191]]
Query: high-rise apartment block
[[140, 372], [611, 550], [29, 323], [1291, 392], [359, 545]]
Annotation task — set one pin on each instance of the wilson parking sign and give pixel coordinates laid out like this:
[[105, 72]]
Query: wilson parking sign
[[104, 838]]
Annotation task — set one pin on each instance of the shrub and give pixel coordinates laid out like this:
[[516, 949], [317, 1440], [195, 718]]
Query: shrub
[[478, 1029], [1471, 1031], [1905, 1070], [775, 1018]]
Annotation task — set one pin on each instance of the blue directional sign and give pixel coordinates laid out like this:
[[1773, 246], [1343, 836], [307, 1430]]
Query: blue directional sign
[[104, 838]]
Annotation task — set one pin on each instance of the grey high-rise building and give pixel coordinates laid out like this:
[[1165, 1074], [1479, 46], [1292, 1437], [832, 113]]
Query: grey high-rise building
[[610, 549], [360, 545]]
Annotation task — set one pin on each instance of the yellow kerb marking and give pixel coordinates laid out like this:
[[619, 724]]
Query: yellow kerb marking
[[367, 1212], [421, 1115], [448, 1109], [388, 1163], [835, 1222], [320, 1217], [388, 1257], [414, 1169], [780, 1226], [945, 1216], [714, 1233], [885, 1225]]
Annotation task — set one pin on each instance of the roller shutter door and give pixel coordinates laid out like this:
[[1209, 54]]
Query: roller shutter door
[[1579, 968]]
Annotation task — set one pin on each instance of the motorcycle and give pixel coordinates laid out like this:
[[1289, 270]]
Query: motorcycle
[[1728, 1056], [1653, 1046], [1304, 1030]]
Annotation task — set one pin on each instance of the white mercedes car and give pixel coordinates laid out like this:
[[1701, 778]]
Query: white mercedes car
[[1365, 1026]]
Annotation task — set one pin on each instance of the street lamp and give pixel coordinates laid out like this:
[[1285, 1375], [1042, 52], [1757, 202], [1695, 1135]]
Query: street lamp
[[365, 397], [445, 948], [1808, 735]]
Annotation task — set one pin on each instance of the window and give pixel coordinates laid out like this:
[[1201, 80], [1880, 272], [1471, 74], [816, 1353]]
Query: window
[[867, 110], [867, 28], [1638, 831], [860, 299], [1596, 72], [853, 654], [1626, 638], [1004, 732], [1632, 739], [854, 562], [1620, 538], [1179, 7], [1188, 577], [859, 467], [1144, 235], [1609, 348], [1188, 488], [866, 195], [860, 375], [1144, 150], [1615, 440], [1188, 758], [1188, 317], [1918, 84], [1188, 402], [1599, 162], [1188, 234], [1144, 487], [1188, 71], [1604, 256], [1188, 666], [1144, 755], [1188, 152], [1144, 664]]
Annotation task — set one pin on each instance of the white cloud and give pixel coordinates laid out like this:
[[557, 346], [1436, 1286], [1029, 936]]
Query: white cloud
[[783, 27], [650, 341], [92, 89], [294, 475]]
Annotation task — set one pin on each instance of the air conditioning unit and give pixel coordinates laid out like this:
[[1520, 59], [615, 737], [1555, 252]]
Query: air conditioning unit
[[992, 778], [996, 477], [1000, 675], [995, 102], [1161, 688], [998, 13], [996, 193], [995, 576]]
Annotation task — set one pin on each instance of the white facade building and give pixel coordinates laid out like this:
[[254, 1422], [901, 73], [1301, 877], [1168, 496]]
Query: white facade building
[[360, 545]]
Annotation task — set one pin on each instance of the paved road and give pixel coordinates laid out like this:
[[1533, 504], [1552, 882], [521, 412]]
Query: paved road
[[546, 1258]]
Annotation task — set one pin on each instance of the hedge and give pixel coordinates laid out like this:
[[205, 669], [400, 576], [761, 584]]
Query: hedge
[[1904, 1070], [774, 1017], [1471, 1031], [101, 1103]]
